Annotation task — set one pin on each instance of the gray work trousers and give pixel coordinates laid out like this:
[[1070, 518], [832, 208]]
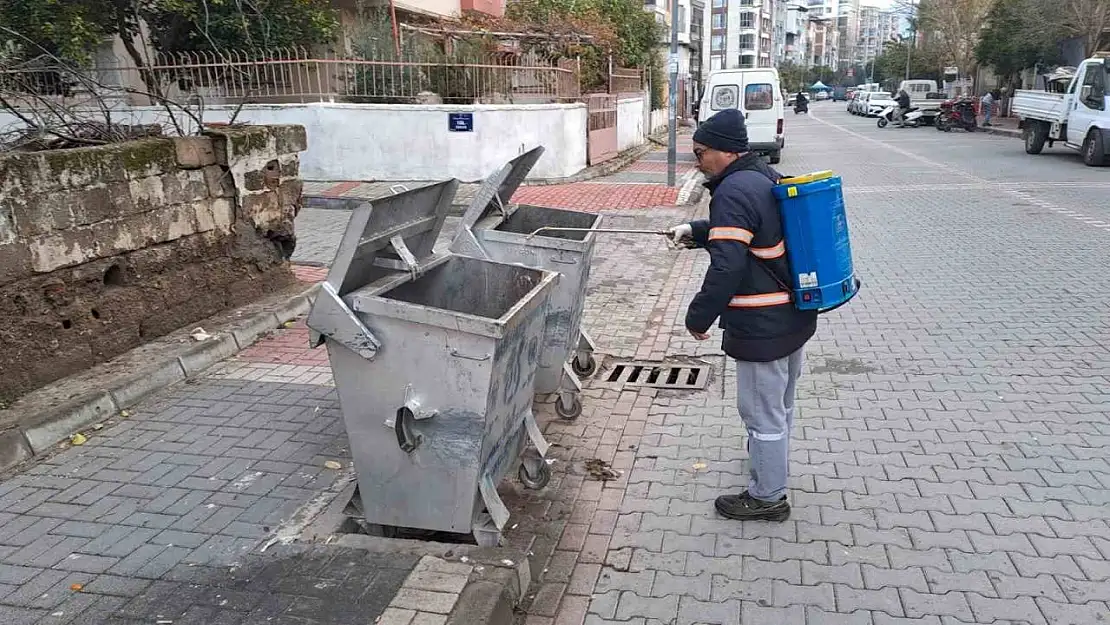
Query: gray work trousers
[[765, 400]]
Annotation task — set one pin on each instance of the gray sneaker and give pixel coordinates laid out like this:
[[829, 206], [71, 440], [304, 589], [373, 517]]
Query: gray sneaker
[[744, 507]]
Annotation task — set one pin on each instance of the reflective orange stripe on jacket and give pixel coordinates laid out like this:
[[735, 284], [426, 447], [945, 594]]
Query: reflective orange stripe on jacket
[[770, 253], [760, 301], [731, 234]]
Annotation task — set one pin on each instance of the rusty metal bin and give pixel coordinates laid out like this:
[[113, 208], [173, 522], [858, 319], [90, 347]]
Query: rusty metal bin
[[434, 359], [494, 229]]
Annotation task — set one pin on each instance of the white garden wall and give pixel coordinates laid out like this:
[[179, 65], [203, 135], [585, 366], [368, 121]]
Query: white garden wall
[[410, 142]]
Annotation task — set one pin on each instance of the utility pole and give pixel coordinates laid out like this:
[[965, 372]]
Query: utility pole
[[913, 38], [672, 99]]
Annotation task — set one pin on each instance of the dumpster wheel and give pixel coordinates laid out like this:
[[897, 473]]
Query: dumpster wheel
[[568, 413], [584, 365], [538, 476]]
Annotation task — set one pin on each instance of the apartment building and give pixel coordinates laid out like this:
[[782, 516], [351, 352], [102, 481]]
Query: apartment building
[[789, 40], [741, 34], [876, 28], [824, 42], [847, 25], [691, 25]]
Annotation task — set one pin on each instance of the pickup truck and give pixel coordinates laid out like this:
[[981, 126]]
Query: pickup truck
[[1077, 114]]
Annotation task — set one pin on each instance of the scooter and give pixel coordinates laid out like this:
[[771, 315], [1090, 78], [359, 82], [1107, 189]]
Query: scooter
[[801, 107], [911, 118]]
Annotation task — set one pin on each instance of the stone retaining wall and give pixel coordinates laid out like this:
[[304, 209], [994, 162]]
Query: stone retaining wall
[[104, 248]]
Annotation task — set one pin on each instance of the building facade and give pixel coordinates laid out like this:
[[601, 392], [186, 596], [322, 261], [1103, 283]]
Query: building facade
[[690, 43], [876, 28], [741, 34]]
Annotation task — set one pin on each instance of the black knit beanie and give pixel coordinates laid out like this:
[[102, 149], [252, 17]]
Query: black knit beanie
[[725, 131]]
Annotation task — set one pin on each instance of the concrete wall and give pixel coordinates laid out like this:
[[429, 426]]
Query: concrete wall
[[104, 248], [658, 121], [408, 141], [630, 123]]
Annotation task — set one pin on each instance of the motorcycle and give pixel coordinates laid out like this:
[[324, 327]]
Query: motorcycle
[[957, 113], [801, 107], [910, 119]]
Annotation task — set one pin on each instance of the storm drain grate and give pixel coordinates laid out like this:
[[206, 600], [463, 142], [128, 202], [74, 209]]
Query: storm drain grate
[[659, 375]]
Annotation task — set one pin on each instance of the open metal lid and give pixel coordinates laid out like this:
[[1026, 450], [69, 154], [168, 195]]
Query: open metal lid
[[390, 234], [497, 190]]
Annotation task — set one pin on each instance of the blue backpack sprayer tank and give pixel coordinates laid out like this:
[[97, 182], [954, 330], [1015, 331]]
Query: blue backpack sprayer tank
[[815, 229], [815, 232]]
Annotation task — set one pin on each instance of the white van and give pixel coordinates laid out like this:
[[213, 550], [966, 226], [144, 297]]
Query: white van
[[758, 95]]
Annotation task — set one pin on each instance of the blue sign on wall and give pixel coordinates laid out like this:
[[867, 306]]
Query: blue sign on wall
[[460, 122]]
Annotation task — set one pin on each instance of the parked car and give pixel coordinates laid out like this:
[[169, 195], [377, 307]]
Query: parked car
[[821, 95], [839, 94], [852, 101], [876, 102], [860, 103]]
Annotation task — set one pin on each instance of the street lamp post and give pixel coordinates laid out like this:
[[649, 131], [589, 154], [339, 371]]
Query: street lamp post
[[672, 99]]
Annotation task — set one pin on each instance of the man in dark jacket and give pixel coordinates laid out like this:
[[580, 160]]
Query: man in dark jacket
[[746, 290], [903, 100]]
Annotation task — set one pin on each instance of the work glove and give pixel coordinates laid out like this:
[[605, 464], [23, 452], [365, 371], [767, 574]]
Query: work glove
[[681, 236]]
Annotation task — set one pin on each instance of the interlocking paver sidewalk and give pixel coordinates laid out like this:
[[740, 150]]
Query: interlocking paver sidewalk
[[949, 456], [949, 459]]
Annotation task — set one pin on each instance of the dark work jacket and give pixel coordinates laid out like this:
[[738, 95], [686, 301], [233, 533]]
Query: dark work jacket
[[758, 316]]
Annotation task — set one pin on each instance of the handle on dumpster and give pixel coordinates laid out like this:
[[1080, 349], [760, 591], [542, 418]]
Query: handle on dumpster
[[407, 440]]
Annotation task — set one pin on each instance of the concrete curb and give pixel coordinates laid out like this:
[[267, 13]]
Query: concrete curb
[[43, 430], [490, 597], [1002, 132]]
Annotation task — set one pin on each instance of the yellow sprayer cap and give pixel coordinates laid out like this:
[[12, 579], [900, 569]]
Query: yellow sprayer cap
[[805, 178]]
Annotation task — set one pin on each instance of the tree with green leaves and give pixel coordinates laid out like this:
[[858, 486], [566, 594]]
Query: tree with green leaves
[[953, 27], [925, 62], [73, 29], [1017, 36], [620, 28], [792, 76]]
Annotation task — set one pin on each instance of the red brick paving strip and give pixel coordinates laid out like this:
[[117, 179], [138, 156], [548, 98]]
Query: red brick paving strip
[[286, 346], [341, 188], [289, 346], [310, 273], [593, 197]]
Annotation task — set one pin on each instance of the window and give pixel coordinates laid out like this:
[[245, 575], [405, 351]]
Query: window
[[719, 4], [718, 21], [718, 43], [1094, 82], [724, 97], [747, 20], [759, 97], [747, 42]]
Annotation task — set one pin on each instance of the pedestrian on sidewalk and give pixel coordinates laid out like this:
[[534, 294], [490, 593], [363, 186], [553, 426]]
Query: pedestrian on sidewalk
[[744, 289], [987, 104]]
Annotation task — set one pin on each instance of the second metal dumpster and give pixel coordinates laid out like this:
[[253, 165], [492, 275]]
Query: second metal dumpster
[[434, 359], [494, 229]]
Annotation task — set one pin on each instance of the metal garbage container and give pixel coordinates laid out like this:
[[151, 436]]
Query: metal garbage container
[[434, 358], [493, 229]]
